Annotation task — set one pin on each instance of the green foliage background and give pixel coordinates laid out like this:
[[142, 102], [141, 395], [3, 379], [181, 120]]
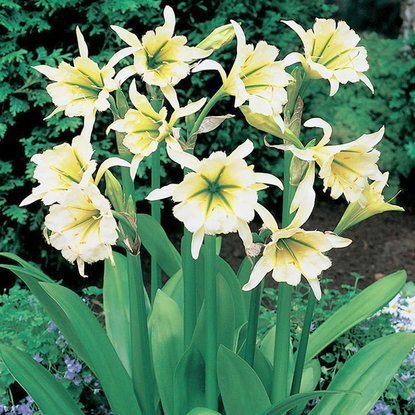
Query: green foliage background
[[43, 32]]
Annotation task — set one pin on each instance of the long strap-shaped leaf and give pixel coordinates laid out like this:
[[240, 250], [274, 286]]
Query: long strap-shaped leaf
[[242, 391], [296, 400], [361, 307], [51, 397], [369, 372], [88, 339], [36, 272], [156, 241]]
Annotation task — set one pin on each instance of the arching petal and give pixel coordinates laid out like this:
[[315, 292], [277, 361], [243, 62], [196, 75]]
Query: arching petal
[[128, 37], [187, 110], [267, 178], [324, 125], [197, 241], [261, 268], [120, 55], [245, 233], [170, 93], [242, 150], [162, 193], [83, 48], [267, 218], [210, 64], [107, 164], [124, 74], [183, 158], [367, 82]]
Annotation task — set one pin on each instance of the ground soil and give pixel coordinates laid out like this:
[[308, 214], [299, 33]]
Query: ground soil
[[381, 245]]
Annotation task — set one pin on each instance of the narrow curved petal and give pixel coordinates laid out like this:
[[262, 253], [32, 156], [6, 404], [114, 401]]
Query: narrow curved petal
[[337, 241], [197, 241], [124, 74], [240, 36], [324, 125], [242, 150], [183, 158], [367, 82], [83, 48], [107, 164], [30, 199], [120, 55], [128, 37], [169, 21], [304, 198], [89, 121], [170, 93], [315, 286], [267, 218], [297, 29], [162, 193], [187, 110], [267, 178], [292, 58], [261, 268], [210, 64], [51, 73], [135, 163], [334, 86], [245, 233]]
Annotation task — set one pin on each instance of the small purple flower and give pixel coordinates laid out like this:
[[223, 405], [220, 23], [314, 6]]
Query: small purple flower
[[380, 408], [24, 409], [51, 326], [38, 357], [3, 408], [406, 376], [313, 326], [73, 368], [88, 378]]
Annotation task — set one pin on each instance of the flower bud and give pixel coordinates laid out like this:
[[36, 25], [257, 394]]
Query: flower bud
[[220, 37], [114, 192]]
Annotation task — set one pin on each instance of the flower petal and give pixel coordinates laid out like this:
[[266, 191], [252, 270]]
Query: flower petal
[[183, 158], [267, 218], [210, 64], [128, 37], [197, 241], [324, 125], [187, 110], [261, 269], [267, 178], [162, 193], [107, 164], [83, 48], [242, 150], [170, 93]]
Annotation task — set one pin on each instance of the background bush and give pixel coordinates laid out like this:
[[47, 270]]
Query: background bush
[[43, 32]]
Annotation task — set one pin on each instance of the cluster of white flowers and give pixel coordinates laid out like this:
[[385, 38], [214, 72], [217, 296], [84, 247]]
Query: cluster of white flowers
[[220, 194]]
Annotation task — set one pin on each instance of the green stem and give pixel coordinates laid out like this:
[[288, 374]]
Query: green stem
[[254, 304], [210, 322], [302, 346], [189, 284], [218, 95], [279, 389], [140, 346], [155, 213]]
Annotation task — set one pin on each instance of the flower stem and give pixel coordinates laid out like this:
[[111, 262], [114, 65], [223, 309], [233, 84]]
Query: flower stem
[[279, 389], [302, 346], [210, 104], [210, 322], [254, 304], [155, 213], [140, 346], [189, 283]]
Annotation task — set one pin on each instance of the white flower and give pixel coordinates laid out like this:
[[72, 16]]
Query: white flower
[[82, 226], [219, 196], [331, 52], [57, 169], [81, 89], [293, 252]]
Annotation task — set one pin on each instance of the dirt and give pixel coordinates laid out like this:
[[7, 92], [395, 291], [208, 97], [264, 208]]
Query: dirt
[[381, 245]]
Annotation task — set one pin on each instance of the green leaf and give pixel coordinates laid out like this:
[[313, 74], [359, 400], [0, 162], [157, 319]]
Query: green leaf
[[362, 306], [202, 411], [189, 382], [156, 241], [242, 391], [117, 306], [87, 338], [296, 400], [167, 343], [38, 273], [368, 372], [51, 397], [174, 288]]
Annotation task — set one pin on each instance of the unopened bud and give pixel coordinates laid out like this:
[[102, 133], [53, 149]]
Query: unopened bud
[[220, 37], [114, 192]]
